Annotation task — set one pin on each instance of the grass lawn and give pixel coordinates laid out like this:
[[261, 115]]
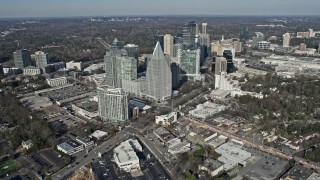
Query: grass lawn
[[189, 176], [7, 167], [199, 152]]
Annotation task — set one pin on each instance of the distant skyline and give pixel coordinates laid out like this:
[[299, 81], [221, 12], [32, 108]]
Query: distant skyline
[[65, 8]]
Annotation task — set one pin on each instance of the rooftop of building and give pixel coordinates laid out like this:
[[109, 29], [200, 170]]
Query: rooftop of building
[[98, 134], [125, 152], [83, 139], [69, 145], [264, 167], [314, 176], [232, 153], [167, 116], [298, 172], [211, 164], [90, 106], [163, 133]]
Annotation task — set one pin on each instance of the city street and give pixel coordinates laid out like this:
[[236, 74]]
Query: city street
[[93, 154]]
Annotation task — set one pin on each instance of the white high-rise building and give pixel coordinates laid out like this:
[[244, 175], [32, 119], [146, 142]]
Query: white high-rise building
[[159, 76], [41, 59], [113, 104], [168, 44], [311, 33], [221, 65], [286, 40], [204, 28]]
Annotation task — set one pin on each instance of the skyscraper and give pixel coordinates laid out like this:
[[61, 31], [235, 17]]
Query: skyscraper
[[159, 82], [168, 44], [237, 46], [113, 104], [132, 50], [286, 40], [160, 39], [176, 48], [220, 65], [175, 69], [189, 32], [244, 33], [128, 68], [190, 64], [41, 59], [204, 28], [204, 45], [113, 64], [22, 58]]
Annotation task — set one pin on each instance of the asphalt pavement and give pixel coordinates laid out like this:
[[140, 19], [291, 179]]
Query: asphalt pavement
[[91, 156]]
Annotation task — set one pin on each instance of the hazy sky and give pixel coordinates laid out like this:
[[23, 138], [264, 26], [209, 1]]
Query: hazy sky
[[58, 8]]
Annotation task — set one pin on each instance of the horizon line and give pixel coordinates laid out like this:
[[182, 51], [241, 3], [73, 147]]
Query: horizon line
[[160, 15]]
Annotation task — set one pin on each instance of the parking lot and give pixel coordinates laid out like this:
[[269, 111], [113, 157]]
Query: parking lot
[[64, 93], [50, 160]]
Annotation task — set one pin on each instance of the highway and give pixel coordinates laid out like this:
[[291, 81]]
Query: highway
[[93, 154], [262, 148]]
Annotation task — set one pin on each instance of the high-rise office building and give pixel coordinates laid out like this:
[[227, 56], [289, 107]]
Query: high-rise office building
[[220, 65], [168, 44], [244, 33], [204, 28], [160, 39], [176, 48], [128, 68], [22, 58], [190, 64], [113, 104], [178, 39], [41, 59], [113, 64], [259, 37], [237, 46], [132, 50], [189, 32], [175, 70], [286, 40], [159, 76], [204, 45]]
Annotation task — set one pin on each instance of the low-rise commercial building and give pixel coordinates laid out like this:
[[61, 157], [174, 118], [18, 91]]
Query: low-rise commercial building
[[57, 81], [297, 172], [74, 65], [31, 71], [216, 142], [167, 119], [70, 147], [98, 134], [163, 134], [264, 45], [176, 146], [86, 142], [207, 109], [88, 109], [213, 167], [125, 156], [11, 71], [314, 176], [233, 154]]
